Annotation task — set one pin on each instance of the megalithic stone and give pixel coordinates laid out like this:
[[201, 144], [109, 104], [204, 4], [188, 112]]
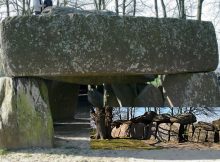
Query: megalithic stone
[[63, 99], [125, 94], [25, 118], [190, 131], [211, 136], [192, 90], [174, 132], [150, 96], [89, 44], [163, 133]]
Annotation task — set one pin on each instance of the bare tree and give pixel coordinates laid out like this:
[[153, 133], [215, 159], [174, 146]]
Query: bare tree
[[134, 6], [116, 7], [123, 7], [199, 9], [7, 7], [164, 9], [182, 9], [156, 8]]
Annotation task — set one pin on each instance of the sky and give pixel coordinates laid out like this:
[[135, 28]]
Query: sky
[[200, 117]]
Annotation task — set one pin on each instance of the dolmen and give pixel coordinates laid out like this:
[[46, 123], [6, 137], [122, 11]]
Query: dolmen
[[166, 128], [161, 127], [66, 47]]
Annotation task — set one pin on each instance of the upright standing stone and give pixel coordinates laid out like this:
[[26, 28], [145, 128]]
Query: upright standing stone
[[210, 136], [163, 133], [152, 131], [196, 135], [190, 131], [63, 99], [202, 136], [124, 130], [25, 118], [216, 124], [150, 96], [174, 132], [193, 90], [219, 136]]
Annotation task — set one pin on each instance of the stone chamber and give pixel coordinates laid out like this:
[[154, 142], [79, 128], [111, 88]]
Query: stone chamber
[[140, 61]]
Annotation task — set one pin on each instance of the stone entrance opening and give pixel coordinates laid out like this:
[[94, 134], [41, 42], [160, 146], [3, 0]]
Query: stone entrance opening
[[70, 112]]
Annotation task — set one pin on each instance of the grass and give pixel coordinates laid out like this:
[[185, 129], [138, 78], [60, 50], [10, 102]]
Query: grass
[[121, 144], [3, 151]]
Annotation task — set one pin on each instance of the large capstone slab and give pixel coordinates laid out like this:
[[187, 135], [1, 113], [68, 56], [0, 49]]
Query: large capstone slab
[[192, 90], [25, 118], [88, 44]]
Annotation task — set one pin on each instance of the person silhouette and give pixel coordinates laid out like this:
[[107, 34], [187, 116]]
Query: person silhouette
[[48, 3], [38, 7]]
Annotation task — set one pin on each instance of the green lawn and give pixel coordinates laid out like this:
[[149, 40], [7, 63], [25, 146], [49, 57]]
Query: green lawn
[[121, 144]]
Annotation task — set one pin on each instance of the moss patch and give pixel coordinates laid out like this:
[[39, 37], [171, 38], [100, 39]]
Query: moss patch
[[121, 144], [3, 151]]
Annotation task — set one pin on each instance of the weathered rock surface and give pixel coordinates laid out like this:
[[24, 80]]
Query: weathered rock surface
[[194, 90], [25, 118], [216, 124], [163, 133], [202, 135], [152, 134], [185, 118], [125, 93], [190, 131], [162, 118], [150, 96], [63, 99], [88, 44], [129, 95], [122, 131], [174, 132], [210, 136], [204, 125]]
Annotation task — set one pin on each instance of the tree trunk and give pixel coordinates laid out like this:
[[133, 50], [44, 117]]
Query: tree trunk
[[100, 5], [172, 111], [116, 7], [134, 4], [199, 10], [156, 8], [128, 113], [134, 113], [23, 7], [108, 121], [100, 123], [103, 5], [164, 9], [182, 9], [178, 6], [58, 3], [7, 7], [123, 7], [17, 9]]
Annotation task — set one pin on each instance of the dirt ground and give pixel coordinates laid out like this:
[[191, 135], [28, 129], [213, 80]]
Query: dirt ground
[[72, 144]]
